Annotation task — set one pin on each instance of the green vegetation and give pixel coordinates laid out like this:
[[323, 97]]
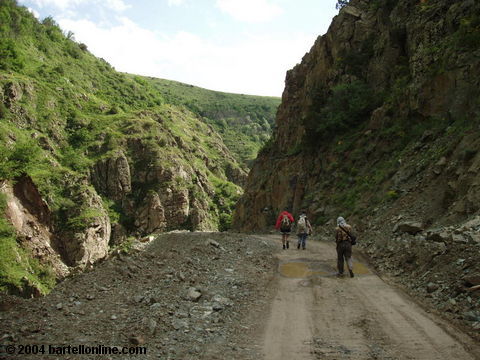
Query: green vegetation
[[467, 36], [226, 196], [346, 107], [125, 246], [355, 61], [63, 112], [245, 122], [19, 157]]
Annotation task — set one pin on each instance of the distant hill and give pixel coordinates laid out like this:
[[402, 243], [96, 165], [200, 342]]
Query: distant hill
[[245, 122]]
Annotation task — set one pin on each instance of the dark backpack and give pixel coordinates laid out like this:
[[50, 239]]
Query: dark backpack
[[285, 225], [353, 238]]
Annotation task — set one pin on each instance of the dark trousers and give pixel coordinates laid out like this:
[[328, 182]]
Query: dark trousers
[[302, 240], [344, 253]]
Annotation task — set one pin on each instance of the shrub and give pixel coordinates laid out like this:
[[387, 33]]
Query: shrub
[[392, 195], [348, 105], [83, 220], [468, 35], [225, 221], [19, 158], [10, 59]]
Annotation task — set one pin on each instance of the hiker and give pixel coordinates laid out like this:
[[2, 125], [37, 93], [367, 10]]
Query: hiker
[[304, 228], [343, 238], [284, 223]]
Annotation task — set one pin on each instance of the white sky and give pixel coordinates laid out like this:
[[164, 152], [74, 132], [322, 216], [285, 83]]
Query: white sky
[[240, 46]]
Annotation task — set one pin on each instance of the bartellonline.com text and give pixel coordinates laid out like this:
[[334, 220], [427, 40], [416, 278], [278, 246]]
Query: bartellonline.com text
[[48, 349]]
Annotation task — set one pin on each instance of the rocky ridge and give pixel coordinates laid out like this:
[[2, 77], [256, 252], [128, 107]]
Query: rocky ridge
[[379, 124]]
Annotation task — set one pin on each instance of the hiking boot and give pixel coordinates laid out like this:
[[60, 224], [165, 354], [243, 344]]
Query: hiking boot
[[288, 244], [351, 273], [339, 274], [283, 246], [298, 246]]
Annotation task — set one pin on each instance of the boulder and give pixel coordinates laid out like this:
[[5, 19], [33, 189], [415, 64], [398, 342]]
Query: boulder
[[459, 238], [213, 243], [439, 236], [194, 294], [352, 11], [408, 227], [472, 280], [432, 287], [439, 166]]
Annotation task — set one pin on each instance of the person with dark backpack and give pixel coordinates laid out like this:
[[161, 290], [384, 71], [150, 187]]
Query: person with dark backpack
[[344, 238], [284, 223]]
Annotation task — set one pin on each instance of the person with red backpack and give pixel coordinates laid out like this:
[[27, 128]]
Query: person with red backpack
[[284, 223]]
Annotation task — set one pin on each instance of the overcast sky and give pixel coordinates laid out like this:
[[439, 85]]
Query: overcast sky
[[240, 46]]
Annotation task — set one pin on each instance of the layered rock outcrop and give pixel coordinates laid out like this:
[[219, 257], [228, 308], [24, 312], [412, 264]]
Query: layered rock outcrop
[[88, 241], [111, 176]]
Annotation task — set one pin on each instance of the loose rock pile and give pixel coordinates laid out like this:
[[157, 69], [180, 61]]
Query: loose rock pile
[[182, 296], [439, 265]]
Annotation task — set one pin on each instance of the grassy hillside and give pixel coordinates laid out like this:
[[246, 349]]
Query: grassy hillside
[[245, 122], [65, 113]]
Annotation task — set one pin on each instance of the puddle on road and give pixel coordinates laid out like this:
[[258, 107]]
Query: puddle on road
[[299, 270], [306, 269], [360, 269]]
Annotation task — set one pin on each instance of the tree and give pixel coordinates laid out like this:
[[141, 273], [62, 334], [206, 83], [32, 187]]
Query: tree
[[341, 3]]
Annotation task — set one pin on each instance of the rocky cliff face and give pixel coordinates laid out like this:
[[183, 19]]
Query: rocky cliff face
[[32, 219], [388, 92], [379, 123]]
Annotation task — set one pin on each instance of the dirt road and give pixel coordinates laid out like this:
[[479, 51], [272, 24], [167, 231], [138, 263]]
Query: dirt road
[[249, 308], [316, 315]]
